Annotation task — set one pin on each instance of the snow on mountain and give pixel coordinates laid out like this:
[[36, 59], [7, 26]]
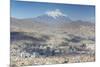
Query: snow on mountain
[[55, 13]]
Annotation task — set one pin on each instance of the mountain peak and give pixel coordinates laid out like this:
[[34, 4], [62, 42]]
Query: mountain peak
[[55, 13]]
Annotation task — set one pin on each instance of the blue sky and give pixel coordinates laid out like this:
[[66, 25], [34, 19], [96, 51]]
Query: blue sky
[[22, 10]]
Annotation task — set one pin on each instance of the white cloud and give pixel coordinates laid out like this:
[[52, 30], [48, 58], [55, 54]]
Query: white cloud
[[55, 13]]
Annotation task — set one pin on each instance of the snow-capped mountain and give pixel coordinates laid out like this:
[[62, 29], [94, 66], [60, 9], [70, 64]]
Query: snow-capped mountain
[[53, 17], [52, 20]]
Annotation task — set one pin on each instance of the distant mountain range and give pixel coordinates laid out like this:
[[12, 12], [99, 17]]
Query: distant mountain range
[[46, 21]]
